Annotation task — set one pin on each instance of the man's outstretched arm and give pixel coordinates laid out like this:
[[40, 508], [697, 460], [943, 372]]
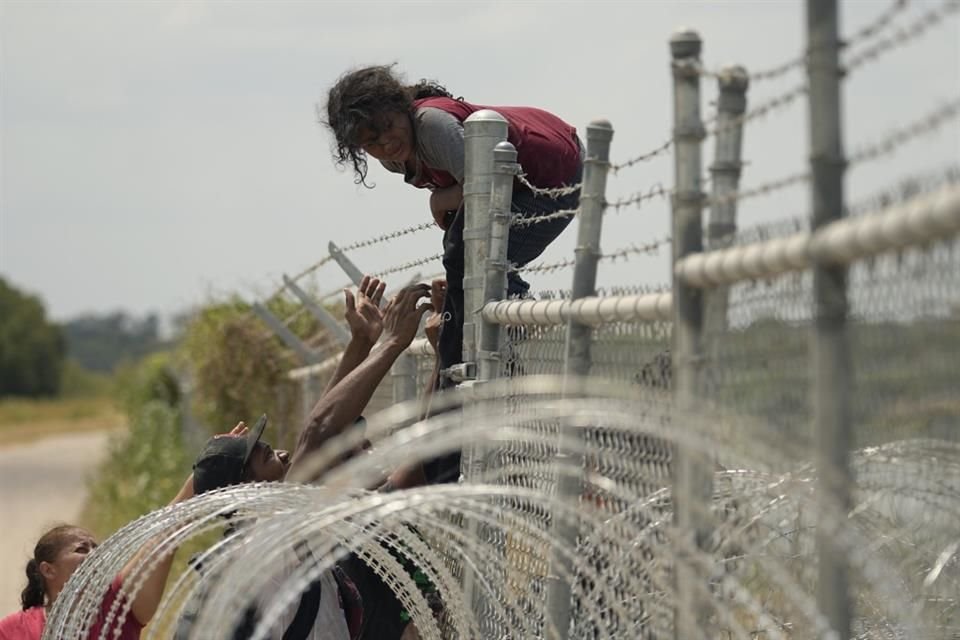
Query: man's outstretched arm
[[366, 324], [342, 405]]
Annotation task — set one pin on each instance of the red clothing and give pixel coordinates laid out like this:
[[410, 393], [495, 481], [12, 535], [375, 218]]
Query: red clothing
[[547, 147], [28, 625], [23, 625]]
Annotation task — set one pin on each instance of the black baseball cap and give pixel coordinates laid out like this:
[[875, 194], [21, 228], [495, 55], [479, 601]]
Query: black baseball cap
[[224, 459]]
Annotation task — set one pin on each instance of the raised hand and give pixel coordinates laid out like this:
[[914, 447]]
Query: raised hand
[[401, 316], [239, 430], [363, 310]]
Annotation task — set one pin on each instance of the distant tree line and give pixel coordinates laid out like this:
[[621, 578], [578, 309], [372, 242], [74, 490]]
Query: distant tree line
[[34, 350], [101, 342]]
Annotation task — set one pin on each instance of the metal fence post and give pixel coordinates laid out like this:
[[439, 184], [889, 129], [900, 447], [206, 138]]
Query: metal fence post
[[725, 180], [345, 263], [505, 167], [592, 204], [404, 373], [330, 323], [483, 130], [692, 470], [305, 353], [577, 363], [830, 367]]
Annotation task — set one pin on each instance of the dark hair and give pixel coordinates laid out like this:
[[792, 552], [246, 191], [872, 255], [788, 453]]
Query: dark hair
[[47, 549], [361, 100]]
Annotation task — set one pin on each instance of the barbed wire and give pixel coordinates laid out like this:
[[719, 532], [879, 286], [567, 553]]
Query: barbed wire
[[623, 253], [903, 36], [553, 193], [878, 24], [656, 191], [293, 317], [760, 190], [877, 201], [890, 143], [858, 59], [519, 222], [409, 265], [360, 244], [643, 157], [863, 34], [632, 290], [299, 275], [788, 97], [776, 103], [906, 188], [386, 237]]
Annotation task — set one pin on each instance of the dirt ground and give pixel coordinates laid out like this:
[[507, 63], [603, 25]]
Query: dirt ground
[[42, 483]]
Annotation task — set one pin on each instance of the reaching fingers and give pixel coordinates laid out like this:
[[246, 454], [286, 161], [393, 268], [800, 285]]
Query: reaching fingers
[[424, 308], [239, 430], [349, 300], [364, 283], [377, 287], [416, 290], [438, 291], [411, 296]]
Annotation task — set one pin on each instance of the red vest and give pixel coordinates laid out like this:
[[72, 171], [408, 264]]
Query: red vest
[[547, 147]]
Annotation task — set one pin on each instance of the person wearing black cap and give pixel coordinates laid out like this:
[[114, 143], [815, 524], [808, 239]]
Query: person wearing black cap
[[229, 459], [370, 609]]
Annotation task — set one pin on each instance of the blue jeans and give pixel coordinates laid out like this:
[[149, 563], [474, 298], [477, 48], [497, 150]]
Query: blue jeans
[[525, 244]]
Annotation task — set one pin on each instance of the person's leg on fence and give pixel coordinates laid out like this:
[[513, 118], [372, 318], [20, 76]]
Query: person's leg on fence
[[525, 243]]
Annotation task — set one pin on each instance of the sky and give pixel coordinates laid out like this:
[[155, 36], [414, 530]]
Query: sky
[[156, 155]]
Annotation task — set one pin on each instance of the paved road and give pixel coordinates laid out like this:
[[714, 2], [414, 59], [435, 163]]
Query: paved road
[[42, 483]]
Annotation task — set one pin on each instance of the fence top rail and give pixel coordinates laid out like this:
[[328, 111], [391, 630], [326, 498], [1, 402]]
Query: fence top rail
[[318, 369], [421, 348], [920, 220], [593, 311]]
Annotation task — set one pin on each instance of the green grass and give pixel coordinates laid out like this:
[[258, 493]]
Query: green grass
[[26, 420]]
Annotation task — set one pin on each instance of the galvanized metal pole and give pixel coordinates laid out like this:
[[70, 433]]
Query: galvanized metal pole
[[570, 487], [337, 330], [483, 130], [404, 374], [592, 204], [725, 180], [505, 168], [692, 470], [345, 263], [830, 367], [305, 353]]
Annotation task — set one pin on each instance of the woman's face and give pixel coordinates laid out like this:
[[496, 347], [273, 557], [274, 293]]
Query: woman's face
[[395, 141], [77, 545]]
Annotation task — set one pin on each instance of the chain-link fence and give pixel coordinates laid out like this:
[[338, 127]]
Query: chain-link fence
[[762, 323], [768, 446]]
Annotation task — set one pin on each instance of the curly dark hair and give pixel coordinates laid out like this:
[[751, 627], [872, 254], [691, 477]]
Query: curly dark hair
[[361, 100]]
